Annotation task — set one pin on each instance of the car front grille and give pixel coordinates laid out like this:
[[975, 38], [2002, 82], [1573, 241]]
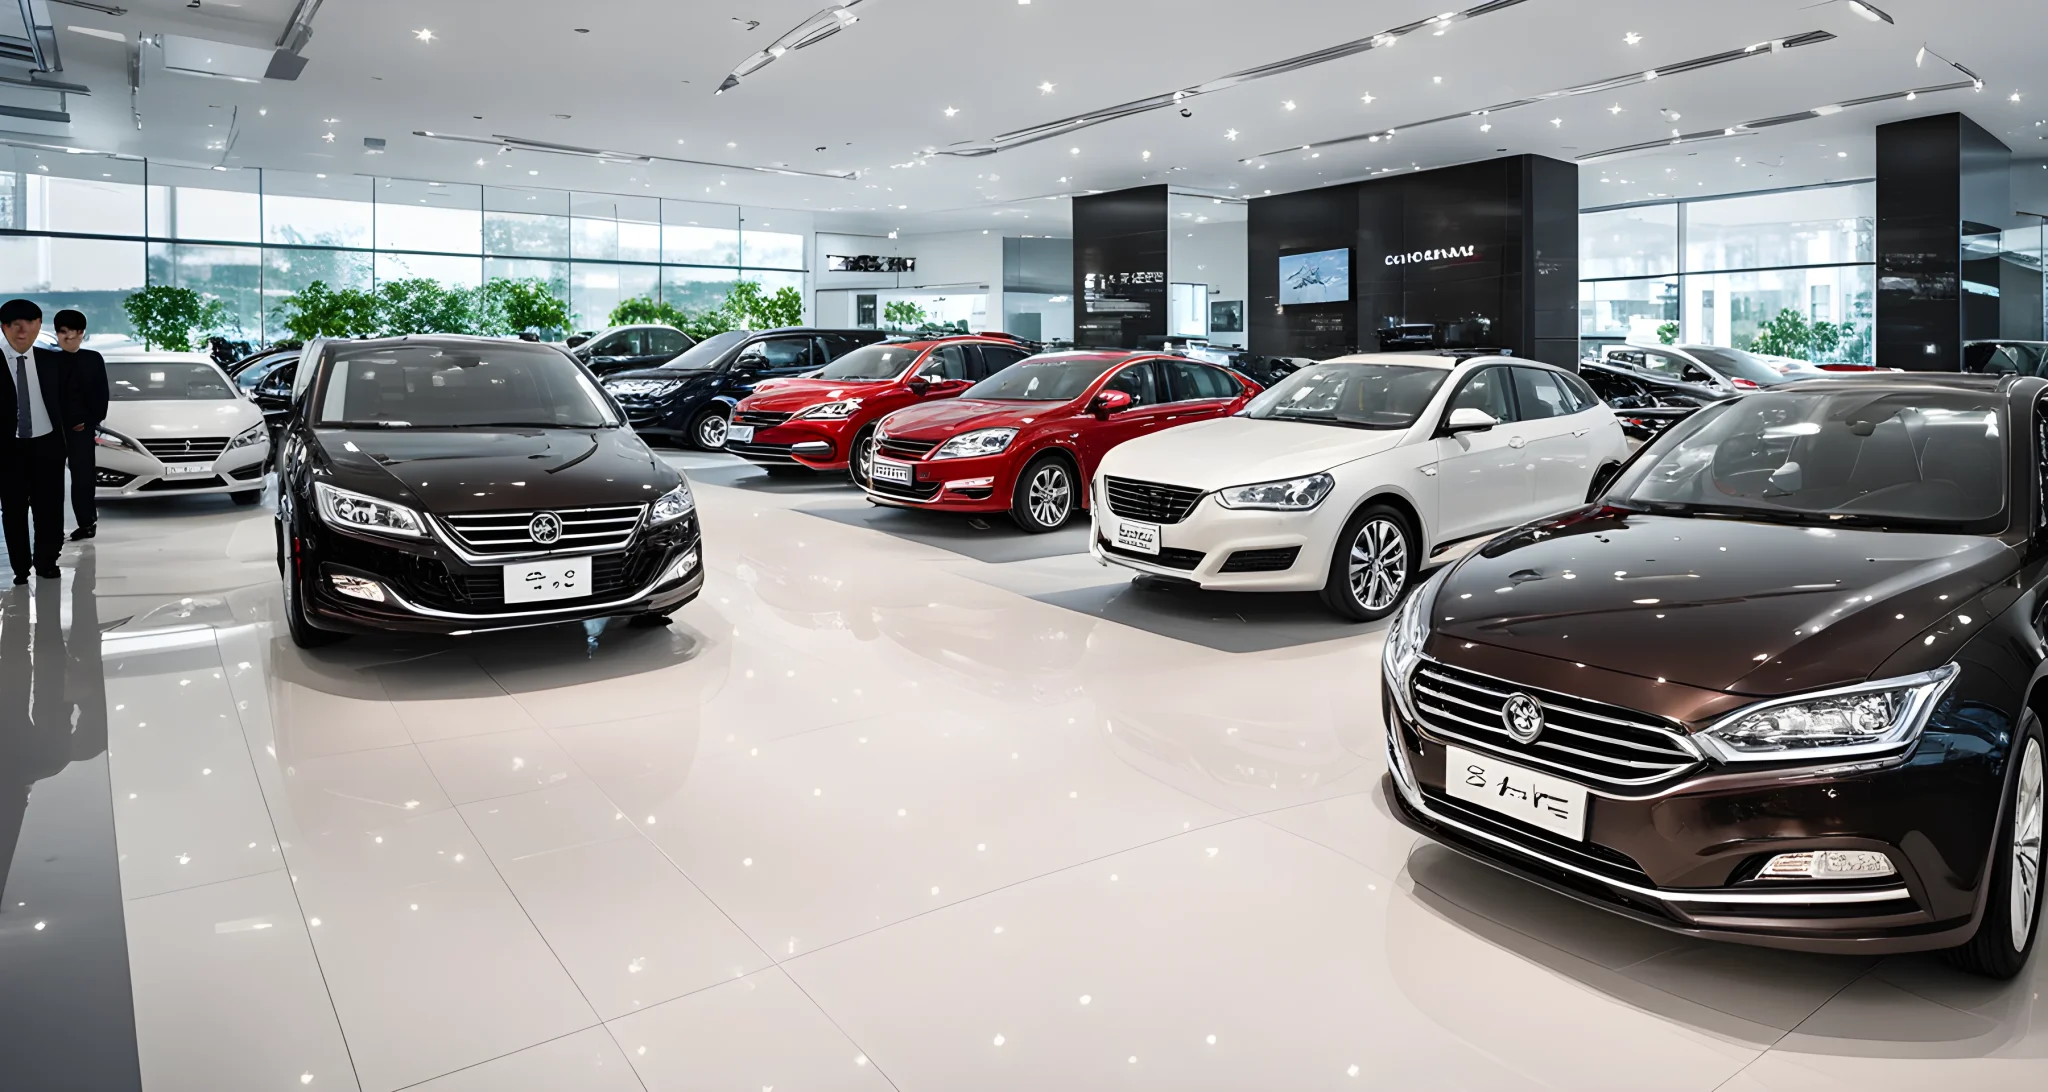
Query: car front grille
[[611, 575], [1611, 863], [917, 491], [774, 453], [584, 530], [1262, 561], [1600, 744], [1167, 557], [179, 485], [760, 418], [1150, 501], [907, 450], [198, 449]]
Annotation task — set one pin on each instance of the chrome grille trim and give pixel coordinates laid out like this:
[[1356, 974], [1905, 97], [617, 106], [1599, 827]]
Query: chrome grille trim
[[584, 530], [1153, 502], [196, 449]]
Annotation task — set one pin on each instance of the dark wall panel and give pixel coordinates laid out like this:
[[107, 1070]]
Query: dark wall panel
[[1120, 243], [1315, 220], [1938, 179]]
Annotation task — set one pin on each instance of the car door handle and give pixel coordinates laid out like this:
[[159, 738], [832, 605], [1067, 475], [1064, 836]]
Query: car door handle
[[1581, 431], [1517, 442]]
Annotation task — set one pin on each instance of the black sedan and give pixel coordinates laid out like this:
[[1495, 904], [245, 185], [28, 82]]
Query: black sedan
[[1646, 404], [692, 397], [456, 485]]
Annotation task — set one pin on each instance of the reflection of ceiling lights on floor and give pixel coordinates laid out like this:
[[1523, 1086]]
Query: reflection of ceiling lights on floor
[[810, 32]]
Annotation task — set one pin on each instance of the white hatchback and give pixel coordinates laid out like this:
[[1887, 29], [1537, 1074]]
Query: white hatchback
[[177, 424], [1350, 476]]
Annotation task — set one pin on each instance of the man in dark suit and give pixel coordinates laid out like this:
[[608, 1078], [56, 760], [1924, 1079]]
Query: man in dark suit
[[85, 387], [32, 451]]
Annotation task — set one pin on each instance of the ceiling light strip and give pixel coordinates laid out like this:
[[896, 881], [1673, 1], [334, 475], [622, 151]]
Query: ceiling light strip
[[1747, 127], [521, 144]]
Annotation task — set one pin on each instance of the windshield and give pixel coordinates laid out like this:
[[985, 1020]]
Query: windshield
[[704, 355], [1377, 396], [1736, 364], [1042, 379], [2006, 358], [870, 363], [173, 382], [1880, 458], [506, 385]]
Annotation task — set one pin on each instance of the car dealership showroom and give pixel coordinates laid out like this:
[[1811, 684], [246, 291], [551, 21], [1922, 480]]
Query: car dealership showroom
[[960, 545]]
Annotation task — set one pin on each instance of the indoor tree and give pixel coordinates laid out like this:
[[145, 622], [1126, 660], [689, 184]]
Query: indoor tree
[[166, 317], [507, 306], [641, 311], [320, 311], [903, 314], [1668, 333], [1786, 335], [422, 305], [753, 309]]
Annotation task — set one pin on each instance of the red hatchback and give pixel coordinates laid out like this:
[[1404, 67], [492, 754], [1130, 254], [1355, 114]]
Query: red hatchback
[[826, 422], [1027, 441]]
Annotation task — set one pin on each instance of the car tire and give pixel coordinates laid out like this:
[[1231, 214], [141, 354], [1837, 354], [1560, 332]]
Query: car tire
[[707, 432], [1044, 497], [304, 633], [861, 457], [2012, 910], [247, 498], [1373, 565]]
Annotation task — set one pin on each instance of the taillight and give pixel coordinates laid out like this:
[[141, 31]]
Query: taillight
[[1742, 384]]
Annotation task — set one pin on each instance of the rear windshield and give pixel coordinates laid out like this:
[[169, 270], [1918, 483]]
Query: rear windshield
[[870, 363], [499, 385], [175, 382], [1043, 379]]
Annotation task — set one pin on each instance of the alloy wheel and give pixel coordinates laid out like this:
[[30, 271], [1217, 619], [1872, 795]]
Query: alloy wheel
[[864, 459], [2026, 846], [711, 433], [1051, 495], [1379, 564]]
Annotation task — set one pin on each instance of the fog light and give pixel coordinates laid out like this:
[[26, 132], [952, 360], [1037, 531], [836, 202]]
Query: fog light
[[356, 587], [972, 483], [1829, 864], [684, 567]]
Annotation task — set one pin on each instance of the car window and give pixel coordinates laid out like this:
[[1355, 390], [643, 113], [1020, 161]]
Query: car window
[[945, 362], [1540, 395], [1582, 396], [786, 353], [1485, 390], [995, 358], [1670, 367], [666, 343], [1191, 382], [838, 345], [1608, 386], [1138, 381]]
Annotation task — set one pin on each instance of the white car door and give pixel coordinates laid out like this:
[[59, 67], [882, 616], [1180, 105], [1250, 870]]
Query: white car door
[[1558, 433], [1483, 484]]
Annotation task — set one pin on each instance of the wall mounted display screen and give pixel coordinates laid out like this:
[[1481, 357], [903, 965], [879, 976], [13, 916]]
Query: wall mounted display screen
[[1323, 276]]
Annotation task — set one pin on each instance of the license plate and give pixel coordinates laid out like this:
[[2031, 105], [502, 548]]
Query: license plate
[[547, 579], [739, 434], [188, 470], [1142, 538], [889, 470], [1517, 792]]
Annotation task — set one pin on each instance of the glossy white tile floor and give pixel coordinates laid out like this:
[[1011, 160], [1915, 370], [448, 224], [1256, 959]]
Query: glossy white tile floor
[[872, 816]]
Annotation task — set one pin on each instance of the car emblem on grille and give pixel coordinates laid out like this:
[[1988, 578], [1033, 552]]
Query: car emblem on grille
[[1523, 718], [545, 529]]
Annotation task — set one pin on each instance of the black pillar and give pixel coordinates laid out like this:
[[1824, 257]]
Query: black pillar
[[1941, 181], [1120, 268]]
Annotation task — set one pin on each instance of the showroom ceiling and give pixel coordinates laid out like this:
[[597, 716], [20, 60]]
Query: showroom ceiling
[[948, 114]]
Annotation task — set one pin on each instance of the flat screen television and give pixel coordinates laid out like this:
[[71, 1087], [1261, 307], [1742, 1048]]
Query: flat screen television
[[1323, 276]]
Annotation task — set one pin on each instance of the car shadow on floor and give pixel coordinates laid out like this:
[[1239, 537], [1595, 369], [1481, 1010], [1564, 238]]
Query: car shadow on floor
[[1224, 621], [795, 480], [991, 538]]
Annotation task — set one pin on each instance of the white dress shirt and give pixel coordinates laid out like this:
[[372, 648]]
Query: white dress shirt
[[38, 413]]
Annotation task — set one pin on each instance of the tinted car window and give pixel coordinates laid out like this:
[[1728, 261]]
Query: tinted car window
[[1485, 390], [838, 345], [1540, 395], [429, 386], [946, 362], [1044, 379], [1137, 380], [786, 353], [667, 342], [1189, 382], [706, 354], [995, 358], [166, 382]]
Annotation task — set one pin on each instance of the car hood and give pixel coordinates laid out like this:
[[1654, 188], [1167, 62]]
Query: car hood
[[790, 395], [1238, 450], [176, 420], [479, 470], [1743, 607], [939, 420]]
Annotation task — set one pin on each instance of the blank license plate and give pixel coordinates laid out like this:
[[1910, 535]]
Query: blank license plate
[[547, 579], [739, 434], [1517, 792], [188, 470], [889, 470], [1140, 538]]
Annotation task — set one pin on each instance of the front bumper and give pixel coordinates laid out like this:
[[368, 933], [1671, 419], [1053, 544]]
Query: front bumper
[[983, 484], [1681, 860], [820, 445], [122, 473], [1224, 549]]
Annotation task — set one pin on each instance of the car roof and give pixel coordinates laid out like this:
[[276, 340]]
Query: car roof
[[1900, 381], [1445, 360]]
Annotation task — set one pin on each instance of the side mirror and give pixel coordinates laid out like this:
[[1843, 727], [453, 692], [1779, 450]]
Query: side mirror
[[1469, 420], [1108, 402], [918, 383], [576, 339]]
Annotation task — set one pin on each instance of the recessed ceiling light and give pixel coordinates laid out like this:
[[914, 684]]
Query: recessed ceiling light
[[1486, 128], [1146, 155], [331, 121], [319, 176], [732, 144], [1073, 151], [1559, 122], [1230, 134], [1045, 88], [1289, 104], [329, 138], [1366, 98], [1615, 109], [533, 172], [1437, 79], [423, 35], [1650, 75], [1632, 37], [2015, 96], [1841, 155], [263, 111], [950, 111]]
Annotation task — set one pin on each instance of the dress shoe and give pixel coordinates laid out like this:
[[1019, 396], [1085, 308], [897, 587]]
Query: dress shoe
[[49, 572], [20, 579], [85, 532]]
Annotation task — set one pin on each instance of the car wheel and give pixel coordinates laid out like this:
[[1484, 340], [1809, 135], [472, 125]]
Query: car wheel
[[1043, 500], [1372, 566], [860, 462], [304, 633], [247, 498], [2012, 913], [709, 431]]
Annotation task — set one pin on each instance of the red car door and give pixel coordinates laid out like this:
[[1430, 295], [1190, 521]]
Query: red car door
[[1199, 392], [1148, 413]]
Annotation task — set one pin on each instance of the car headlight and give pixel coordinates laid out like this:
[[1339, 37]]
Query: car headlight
[[106, 437], [1292, 495], [643, 388], [1869, 718], [251, 436], [360, 513], [967, 445], [673, 505], [1408, 632], [832, 411]]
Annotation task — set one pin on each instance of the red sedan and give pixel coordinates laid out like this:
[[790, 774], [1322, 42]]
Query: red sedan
[[826, 422], [1027, 441]]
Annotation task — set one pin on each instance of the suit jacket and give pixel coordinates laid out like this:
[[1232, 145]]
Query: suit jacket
[[85, 387], [49, 375]]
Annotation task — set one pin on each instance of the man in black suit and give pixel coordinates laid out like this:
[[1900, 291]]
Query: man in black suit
[[85, 387], [32, 451]]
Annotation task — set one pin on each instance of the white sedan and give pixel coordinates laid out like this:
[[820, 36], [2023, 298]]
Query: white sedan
[[1350, 476], [177, 424]]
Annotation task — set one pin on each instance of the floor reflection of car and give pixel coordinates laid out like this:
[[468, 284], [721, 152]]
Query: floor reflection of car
[[2006, 357], [1026, 440], [827, 421], [691, 398], [457, 485], [177, 424], [1349, 477], [1780, 684], [1646, 404], [1728, 370], [623, 348]]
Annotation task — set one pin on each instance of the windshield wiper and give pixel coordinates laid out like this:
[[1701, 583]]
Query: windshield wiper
[[1338, 421], [366, 424]]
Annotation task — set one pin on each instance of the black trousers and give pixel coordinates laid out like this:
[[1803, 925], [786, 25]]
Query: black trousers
[[32, 484], [80, 454]]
